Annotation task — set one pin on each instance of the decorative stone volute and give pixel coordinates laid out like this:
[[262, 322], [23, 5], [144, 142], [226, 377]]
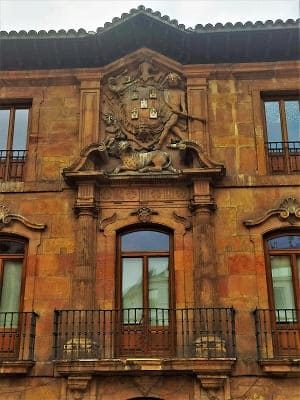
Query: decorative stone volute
[[7, 217], [288, 210]]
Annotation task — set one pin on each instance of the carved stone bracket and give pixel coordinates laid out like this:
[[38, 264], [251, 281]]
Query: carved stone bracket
[[78, 386], [6, 218], [288, 210], [185, 221], [104, 222], [212, 381], [144, 214]]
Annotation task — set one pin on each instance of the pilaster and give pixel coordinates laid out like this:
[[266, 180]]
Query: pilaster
[[89, 112], [83, 277]]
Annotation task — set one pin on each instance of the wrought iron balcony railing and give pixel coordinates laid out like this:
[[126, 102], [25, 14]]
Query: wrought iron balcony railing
[[277, 333], [283, 157], [12, 165], [139, 332], [17, 335]]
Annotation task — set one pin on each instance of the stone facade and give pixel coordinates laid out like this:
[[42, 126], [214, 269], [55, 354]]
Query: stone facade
[[76, 207]]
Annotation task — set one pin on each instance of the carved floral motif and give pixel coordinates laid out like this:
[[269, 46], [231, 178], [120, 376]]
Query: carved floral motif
[[144, 214]]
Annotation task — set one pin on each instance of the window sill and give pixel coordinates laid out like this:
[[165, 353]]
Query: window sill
[[282, 367], [15, 367], [194, 365]]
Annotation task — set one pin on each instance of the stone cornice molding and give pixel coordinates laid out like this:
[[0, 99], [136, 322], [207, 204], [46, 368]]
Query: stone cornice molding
[[288, 210], [7, 217]]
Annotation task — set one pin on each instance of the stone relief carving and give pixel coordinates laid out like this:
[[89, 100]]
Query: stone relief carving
[[144, 214], [133, 160], [141, 108], [288, 210], [144, 106], [6, 217]]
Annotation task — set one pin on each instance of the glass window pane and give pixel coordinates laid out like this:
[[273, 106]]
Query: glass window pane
[[11, 289], [273, 121], [292, 113], [158, 291], [10, 247], [284, 242], [4, 123], [283, 287], [145, 241], [132, 289], [20, 129]]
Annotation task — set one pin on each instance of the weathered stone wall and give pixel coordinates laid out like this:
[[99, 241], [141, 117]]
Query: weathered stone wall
[[235, 139]]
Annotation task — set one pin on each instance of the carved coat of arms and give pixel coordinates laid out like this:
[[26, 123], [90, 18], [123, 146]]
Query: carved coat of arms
[[144, 107]]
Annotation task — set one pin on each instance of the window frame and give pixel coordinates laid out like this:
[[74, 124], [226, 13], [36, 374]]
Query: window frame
[[285, 153], [292, 253], [12, 106], [15, 256], [145, 255]]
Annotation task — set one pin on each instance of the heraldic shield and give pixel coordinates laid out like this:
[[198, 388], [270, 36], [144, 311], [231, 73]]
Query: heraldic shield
[[142, 110], [143, 106]]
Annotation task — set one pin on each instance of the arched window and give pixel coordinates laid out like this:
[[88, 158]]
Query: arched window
[[145, 287], [283, 261], [12, 253], [283, 258]]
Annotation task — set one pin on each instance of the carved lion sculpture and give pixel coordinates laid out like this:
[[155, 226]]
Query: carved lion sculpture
[[150, 161]]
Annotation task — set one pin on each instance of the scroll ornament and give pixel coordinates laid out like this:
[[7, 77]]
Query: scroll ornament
[[6, 218], [288, 210]]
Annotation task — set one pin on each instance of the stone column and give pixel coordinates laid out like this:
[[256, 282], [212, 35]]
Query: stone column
[[203, 206], [83, 276]]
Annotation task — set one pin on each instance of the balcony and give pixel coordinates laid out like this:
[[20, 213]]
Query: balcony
[[17, 337], [12, 165], [278, 340], [283, 157], [188, 339]]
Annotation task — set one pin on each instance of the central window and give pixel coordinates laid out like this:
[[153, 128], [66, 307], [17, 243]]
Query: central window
[[144, 288]]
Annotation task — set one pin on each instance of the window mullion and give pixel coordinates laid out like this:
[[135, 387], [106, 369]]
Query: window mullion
[[284, 133], [9, 141]]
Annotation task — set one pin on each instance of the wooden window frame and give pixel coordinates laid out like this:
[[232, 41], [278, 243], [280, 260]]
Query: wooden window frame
[[285, 332], [292, 253], [128, 329], [145, 255], [16, 256], [12, 107], [281, 98]]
